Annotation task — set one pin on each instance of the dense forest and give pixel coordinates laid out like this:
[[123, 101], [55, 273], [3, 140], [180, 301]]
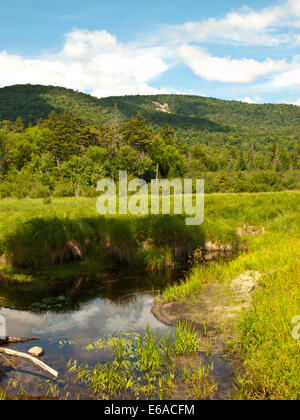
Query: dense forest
[[58, 142]]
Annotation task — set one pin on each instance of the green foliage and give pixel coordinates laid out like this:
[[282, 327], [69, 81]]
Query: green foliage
[[39, 241], [2, 394], [65, 150], [66, 229], [185, 340], [78, 139], [141, 367], [39, 233], [198, 383], [270, 353], [262, 336]]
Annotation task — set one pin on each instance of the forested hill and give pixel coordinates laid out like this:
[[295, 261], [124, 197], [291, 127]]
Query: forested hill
[[182, 112], [58, 142]]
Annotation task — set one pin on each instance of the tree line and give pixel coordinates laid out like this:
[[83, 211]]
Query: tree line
[[65, 155]]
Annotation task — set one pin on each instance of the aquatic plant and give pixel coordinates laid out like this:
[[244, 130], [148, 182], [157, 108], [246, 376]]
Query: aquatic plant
[[2, 394], [140, 367], [199, 384]]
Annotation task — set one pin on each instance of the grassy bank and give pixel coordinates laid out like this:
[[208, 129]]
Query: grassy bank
[[261, 336], [34, 235]]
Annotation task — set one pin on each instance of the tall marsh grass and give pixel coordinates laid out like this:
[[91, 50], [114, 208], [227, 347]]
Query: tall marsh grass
[[34, 235], [262, 336]]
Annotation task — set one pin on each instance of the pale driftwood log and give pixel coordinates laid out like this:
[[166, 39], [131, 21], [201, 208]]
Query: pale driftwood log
[[31, 359], [17, 340]]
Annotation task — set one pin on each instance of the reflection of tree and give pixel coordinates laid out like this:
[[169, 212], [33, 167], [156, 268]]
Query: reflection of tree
[[119, 287]]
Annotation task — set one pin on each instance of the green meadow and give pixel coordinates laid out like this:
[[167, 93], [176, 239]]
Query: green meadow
[[59, 237], [35, 233], [261, 338]]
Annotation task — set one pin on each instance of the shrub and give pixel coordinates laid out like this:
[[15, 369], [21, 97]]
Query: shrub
[[64, 190], [40, 191]]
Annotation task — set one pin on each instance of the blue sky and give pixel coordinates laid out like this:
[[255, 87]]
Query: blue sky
[[246, 50]]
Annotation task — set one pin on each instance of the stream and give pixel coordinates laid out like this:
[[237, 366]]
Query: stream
[[69, 315]]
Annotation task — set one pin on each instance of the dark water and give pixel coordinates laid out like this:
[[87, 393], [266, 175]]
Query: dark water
[[80, 311]]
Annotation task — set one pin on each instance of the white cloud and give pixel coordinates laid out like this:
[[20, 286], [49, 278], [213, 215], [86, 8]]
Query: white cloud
[[294, 8], [249, 100], [297, 102], [90, 61], [226, 69], [247, 26], [83, 44], [288, 79], [96, 62]]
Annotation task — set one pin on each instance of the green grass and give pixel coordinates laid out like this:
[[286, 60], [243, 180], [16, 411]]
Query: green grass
[[143, 367], [34, 235], [198, 383], [271, 355], [262, 336], [2, 394]]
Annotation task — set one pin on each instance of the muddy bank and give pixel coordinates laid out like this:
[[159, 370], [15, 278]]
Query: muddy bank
[[214, 312], [214, 251], [215, 307]]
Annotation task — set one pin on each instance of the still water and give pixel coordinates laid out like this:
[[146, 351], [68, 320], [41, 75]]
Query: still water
[[77, 312]]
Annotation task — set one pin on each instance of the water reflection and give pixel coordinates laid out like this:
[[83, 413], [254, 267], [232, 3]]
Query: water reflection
[[93, 319], [81, 311], [119, 287]]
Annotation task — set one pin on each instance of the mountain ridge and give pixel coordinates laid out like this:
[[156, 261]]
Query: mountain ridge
[[185, 112]]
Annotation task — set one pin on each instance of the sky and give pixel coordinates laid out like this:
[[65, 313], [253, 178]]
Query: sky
[[239, 50]]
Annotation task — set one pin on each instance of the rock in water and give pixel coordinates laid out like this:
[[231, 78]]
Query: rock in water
[[36, 352]]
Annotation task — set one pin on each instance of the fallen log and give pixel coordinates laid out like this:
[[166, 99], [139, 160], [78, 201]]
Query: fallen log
[[31, 359], [17, 340]]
